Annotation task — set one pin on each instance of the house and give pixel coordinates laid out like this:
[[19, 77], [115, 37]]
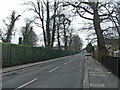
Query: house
[[111, 45], [116, 53]]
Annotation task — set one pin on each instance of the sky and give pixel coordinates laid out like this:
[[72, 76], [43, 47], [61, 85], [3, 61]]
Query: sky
[[7, 6]]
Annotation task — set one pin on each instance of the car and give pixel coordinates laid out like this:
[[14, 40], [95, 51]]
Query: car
[[88, 54]]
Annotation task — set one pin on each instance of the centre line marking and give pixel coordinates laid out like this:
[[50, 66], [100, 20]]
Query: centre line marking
[[92, 85], [54, 69], [26, 84], [65, 63]]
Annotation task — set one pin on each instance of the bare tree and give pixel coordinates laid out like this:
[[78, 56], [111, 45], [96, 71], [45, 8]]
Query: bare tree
[[9, 27], [42, 9], [76, 43], [54, 22], [113, 31], [116, 19], [48, 14], [29, 36], [47, 24], [98, 14], [39, 9], [59, 23]]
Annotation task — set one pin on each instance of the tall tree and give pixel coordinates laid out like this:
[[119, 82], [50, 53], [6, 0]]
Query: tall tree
[[76, 43], [66, 23], [10, 27], [48, 12], [39, 9], [47, 24], [29, 36], [98, 14], [116, 19], [54, 23], [59, 27]]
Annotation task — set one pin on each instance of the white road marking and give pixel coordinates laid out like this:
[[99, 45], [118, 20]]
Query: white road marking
[[65, 63], [26, 84], [98, 69], [101, 75], [85, 78], [97, 85], [99, 72], [54, 69]]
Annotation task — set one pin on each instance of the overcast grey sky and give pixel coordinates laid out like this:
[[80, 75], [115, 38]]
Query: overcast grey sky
[[7, 6]]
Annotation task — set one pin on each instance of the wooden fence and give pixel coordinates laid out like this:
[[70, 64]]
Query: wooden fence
[[15, 54], [112, 64]]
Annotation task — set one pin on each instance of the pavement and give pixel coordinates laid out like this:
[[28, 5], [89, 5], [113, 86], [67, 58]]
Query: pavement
[[96, 76], [76, 71]]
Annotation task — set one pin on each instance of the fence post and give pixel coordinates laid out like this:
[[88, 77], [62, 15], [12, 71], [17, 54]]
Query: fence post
[[23, 54], [119, 67]]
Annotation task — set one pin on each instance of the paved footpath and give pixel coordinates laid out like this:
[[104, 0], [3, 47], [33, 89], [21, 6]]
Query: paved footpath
[[96, 76]]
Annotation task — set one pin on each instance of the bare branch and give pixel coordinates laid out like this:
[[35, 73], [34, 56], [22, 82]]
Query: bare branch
[[108, 14], [83, 16], [102, 19], [79, 6]]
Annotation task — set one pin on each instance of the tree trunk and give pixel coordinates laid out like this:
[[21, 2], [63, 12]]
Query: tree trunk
[[41, 17], [119, 43], [44, 34], [54, 26], [58, 35], [101, 44], [47, 25], [65, 37], [10, 29]]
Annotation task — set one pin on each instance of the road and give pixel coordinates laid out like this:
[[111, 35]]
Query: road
[[61, 73]]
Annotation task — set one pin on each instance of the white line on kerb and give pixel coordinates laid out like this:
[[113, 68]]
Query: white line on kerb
[[85, 78], [54, 69], [65, 63], [26, 84]]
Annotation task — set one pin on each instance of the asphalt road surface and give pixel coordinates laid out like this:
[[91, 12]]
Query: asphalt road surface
[[61, 73]]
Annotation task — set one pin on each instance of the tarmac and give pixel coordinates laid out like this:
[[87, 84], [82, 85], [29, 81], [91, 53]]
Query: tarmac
[[97, 76], [18, 67]]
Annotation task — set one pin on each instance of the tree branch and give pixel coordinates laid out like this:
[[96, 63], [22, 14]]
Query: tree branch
[[107, 14], [101, 20], [83, 16], [79, 6]]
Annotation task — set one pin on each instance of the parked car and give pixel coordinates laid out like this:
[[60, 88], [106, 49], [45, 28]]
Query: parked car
[[88, 54]]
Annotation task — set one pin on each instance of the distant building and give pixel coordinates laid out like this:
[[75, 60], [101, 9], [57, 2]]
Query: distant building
[[116, 53]]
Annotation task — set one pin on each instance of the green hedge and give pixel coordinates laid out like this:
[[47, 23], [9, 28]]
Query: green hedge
[[13, 55]]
